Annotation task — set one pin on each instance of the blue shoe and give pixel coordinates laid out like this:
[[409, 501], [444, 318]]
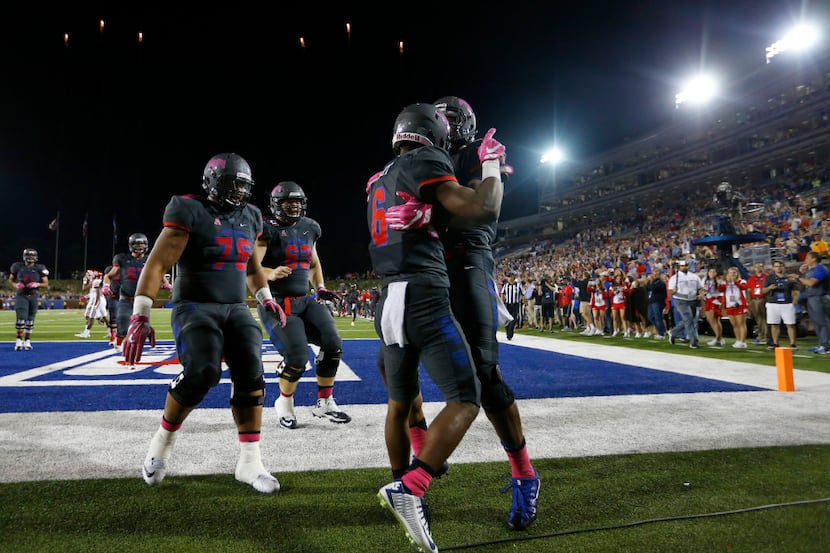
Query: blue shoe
[[525, 501], [413, 514]]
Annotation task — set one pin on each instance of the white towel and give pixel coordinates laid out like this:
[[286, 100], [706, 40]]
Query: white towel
[[391, 322]]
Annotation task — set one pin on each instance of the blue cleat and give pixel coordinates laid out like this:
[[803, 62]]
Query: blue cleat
[[525, 502]]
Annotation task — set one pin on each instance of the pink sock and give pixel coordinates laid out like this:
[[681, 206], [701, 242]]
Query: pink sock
[[417, 481], [520, 465], [252, 436], [417, 434]]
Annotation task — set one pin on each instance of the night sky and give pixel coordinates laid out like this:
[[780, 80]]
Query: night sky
[[112, 128]]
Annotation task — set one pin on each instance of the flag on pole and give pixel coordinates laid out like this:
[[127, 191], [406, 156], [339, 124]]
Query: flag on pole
[[53, 226], [86, 216]]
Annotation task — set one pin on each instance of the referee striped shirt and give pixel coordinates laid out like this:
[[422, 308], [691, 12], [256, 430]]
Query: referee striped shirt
[[512, 292]]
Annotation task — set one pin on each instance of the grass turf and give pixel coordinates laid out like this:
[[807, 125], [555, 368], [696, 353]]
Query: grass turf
[[738, 499]]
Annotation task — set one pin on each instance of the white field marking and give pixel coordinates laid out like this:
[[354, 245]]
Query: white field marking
[[154, 359]]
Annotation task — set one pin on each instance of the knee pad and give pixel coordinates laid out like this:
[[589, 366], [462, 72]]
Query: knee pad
[[496, 395], [187, 391], [291, 374], [327, 363], [247, 401]]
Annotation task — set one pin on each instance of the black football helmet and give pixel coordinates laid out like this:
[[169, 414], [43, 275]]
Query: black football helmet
[[422, 124], [30, 255], [227, 180], [285, 192], [138, 244], [461, 118]]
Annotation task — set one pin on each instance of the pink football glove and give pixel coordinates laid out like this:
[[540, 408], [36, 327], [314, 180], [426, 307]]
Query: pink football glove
[[491, 149], [413, 214], [19, 285], [166, 286], [138, 332], [271, 305], [106, 290], [33, 285], [327, 295], [506, 169]]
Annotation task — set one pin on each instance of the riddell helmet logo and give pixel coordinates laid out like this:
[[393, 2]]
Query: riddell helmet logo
[[412, 137]]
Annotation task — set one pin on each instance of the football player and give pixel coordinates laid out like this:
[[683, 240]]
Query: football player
[[414, 317], [471, 266], [126, 269], [27, 277], [288, 250], [212, 238], [96, 303]]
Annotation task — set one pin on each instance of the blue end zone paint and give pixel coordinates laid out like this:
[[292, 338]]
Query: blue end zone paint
[[532, 373]]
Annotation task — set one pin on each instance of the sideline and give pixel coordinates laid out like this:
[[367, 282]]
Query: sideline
[[112, 444]]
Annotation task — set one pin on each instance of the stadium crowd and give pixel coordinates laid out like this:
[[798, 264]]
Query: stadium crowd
[[792, 212]]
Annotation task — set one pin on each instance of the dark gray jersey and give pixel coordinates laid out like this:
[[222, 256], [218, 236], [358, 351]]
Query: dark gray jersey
[[213, 265], [291, 246], [414, 256], [27, 275], [467, 167], [129, 270]]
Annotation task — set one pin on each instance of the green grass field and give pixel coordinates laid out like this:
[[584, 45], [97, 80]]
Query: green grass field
[[772, 499]]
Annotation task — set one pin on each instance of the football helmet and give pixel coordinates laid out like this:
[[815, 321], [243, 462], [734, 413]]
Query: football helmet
[[422, 124], [227, 180], [30, 255], [138, 244], [286, 191], [461, 118]]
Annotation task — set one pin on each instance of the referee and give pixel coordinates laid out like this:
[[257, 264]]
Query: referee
[[511, 294]]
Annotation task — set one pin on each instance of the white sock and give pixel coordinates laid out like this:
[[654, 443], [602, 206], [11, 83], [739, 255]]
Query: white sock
[[162, 444]]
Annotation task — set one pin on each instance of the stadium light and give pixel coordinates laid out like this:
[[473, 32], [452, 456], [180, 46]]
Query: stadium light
[[552, 156], [697, 90], [797, 39]]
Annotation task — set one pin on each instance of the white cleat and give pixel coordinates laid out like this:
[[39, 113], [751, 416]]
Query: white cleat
[[257, 477], [327, 409], [153, 471], [18, 345], [27, 345], [285, 412]]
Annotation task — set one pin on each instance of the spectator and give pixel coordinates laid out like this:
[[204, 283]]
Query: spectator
[[782, 296], [758, 303], [816, 282]]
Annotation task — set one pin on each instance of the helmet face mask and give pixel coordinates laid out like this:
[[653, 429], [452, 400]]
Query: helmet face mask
[[227, 180], [462, 120], [30, 255], [138, 244], [421, 124], [288, 202]]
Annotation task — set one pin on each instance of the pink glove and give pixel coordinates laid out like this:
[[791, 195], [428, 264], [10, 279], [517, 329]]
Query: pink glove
[[166, 286], [506, 169], [271, 305], [137, 334], [19, 285], [413, 214], [106, 290], [491, 149], [33, 285], [326, 294]]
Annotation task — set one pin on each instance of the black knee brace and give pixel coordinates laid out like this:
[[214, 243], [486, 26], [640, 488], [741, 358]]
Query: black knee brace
[[185, 392], [291, 374], [327, 363], [247, 401]]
